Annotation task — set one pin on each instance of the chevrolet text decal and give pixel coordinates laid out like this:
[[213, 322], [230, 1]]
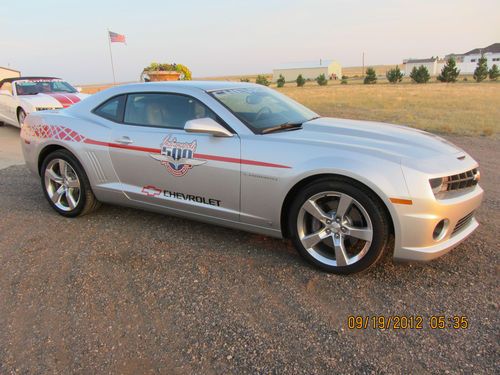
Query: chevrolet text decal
[[153, 191]]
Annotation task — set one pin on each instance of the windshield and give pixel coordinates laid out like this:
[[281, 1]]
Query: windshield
[[261, 108], [43, 86]]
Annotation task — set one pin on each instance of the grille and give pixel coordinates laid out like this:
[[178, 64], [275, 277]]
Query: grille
[[461, 180], [462, 223]]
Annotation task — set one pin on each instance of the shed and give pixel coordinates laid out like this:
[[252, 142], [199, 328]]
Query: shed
[[8, 73], [309, 70]]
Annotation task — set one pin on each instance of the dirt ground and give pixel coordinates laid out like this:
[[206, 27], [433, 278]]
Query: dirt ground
[[129, 292]]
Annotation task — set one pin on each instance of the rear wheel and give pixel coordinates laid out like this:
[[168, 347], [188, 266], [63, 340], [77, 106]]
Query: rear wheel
[[339, 226], [66, 185]]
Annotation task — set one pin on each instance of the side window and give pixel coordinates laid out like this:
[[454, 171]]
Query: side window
[[164, 110], [112, 109]]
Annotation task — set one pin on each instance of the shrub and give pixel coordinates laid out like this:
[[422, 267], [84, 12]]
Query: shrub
[[280, 81], [450, 72], [345, 77], [300, 80], [371, 76], [244, 80], [321, 80], [481, 71], [394, 75], [262, 80], [343, 81], [494, 72], [420, 74]]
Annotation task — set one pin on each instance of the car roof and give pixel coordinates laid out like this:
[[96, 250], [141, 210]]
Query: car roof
[[202, 85], [25, 78]]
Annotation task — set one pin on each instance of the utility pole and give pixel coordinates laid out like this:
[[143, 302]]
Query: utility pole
[[363, 72]]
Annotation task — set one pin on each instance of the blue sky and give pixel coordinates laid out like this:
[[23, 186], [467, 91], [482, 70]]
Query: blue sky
[[223, 37]]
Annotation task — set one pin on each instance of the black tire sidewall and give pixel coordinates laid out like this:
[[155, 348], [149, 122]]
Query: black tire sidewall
[[371, 204], [84, 183]]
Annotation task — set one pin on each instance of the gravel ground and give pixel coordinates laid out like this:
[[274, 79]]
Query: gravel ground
[[126, 291]]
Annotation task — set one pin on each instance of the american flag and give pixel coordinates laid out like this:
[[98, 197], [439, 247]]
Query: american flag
[[116, 38]]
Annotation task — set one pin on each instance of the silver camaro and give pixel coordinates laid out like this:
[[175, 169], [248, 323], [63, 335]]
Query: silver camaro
[[247, 157]]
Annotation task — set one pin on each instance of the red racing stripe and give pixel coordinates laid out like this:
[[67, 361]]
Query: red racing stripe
[[202, 156], [65, 102]]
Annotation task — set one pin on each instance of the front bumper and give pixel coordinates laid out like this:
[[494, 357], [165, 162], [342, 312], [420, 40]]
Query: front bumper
[[417, 223]]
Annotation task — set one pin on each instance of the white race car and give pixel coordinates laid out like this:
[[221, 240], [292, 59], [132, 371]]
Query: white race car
[[22, 95]]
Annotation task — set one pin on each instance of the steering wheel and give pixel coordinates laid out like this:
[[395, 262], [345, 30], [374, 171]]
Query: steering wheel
[[261, 112]]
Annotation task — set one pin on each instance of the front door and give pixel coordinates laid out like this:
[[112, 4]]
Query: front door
[[159, 163]]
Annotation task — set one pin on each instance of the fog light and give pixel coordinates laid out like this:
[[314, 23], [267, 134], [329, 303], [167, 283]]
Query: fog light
[[440, 230]]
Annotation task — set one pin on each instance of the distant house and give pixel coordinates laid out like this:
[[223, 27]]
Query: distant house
[[8, 73], [466, 62], [309, 70]]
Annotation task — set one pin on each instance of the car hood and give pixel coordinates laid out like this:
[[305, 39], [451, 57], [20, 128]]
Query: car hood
[[52, 100], [386, 140]]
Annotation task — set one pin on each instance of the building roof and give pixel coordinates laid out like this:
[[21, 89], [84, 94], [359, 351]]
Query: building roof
[[419, 61], [306, 64], [493, 48], [12, 79], [12, 70]]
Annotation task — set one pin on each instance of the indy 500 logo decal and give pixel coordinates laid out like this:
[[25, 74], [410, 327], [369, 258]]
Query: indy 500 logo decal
[[178, 158]]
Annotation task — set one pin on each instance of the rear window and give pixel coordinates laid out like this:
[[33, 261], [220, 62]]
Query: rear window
[[112, 109]]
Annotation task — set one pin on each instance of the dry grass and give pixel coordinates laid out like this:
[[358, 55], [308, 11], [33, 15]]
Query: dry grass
[[460, 108]]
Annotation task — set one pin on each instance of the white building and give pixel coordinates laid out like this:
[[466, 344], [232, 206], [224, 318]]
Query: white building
[[466, 62], [309, 70]]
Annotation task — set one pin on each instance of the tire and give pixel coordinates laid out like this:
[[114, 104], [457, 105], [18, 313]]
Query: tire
[[21, 115], [344, 242], [69, 193]]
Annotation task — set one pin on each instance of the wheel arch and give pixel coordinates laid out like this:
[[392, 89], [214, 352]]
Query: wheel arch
[[48, 149], [305, 181]]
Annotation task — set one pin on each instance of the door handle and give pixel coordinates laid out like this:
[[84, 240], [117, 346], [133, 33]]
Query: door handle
[[125, 140]]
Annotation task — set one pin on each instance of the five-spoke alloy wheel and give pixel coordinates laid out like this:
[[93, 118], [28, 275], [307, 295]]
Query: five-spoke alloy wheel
[[66, 185], [339, 225]]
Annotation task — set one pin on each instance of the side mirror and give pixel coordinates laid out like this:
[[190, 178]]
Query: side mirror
[[79, 89], [208, 126], [5, 92]]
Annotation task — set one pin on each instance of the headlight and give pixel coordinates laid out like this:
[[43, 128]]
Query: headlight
[[437, 184]]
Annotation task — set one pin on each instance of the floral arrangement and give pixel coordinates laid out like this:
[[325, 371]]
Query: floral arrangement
[[182, 69]]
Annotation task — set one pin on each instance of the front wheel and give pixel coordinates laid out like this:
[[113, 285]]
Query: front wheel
[[66, 185], [21, 116], [339, 226]]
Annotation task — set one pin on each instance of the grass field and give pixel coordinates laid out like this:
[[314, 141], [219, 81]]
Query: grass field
[[464, 108], [460, 108]]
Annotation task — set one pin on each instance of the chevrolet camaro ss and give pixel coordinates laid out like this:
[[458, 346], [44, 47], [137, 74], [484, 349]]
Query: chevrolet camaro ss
[[247, 157], [22, 95]]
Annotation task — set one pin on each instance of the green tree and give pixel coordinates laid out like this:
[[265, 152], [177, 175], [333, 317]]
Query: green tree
[[280, 81], [244, 80], [321, 80], [300, 80], [481, 71], [450, 72], [494, 72], [371, 76], [394, 75], [420, 74], [262, 80]]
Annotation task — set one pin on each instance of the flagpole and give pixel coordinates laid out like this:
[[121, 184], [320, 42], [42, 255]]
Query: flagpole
[[111, 55]]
